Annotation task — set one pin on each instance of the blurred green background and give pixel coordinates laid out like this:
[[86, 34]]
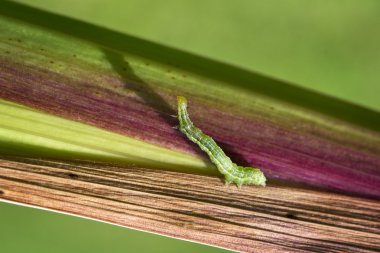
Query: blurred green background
[[28, 230], [332, 47]]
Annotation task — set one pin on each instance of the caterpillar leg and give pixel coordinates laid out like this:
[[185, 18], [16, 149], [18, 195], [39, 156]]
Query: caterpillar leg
[[175, 127], [173, 115], [227, 182]]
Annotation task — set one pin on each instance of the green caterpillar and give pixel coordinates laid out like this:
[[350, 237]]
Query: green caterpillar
[[232, 172]]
